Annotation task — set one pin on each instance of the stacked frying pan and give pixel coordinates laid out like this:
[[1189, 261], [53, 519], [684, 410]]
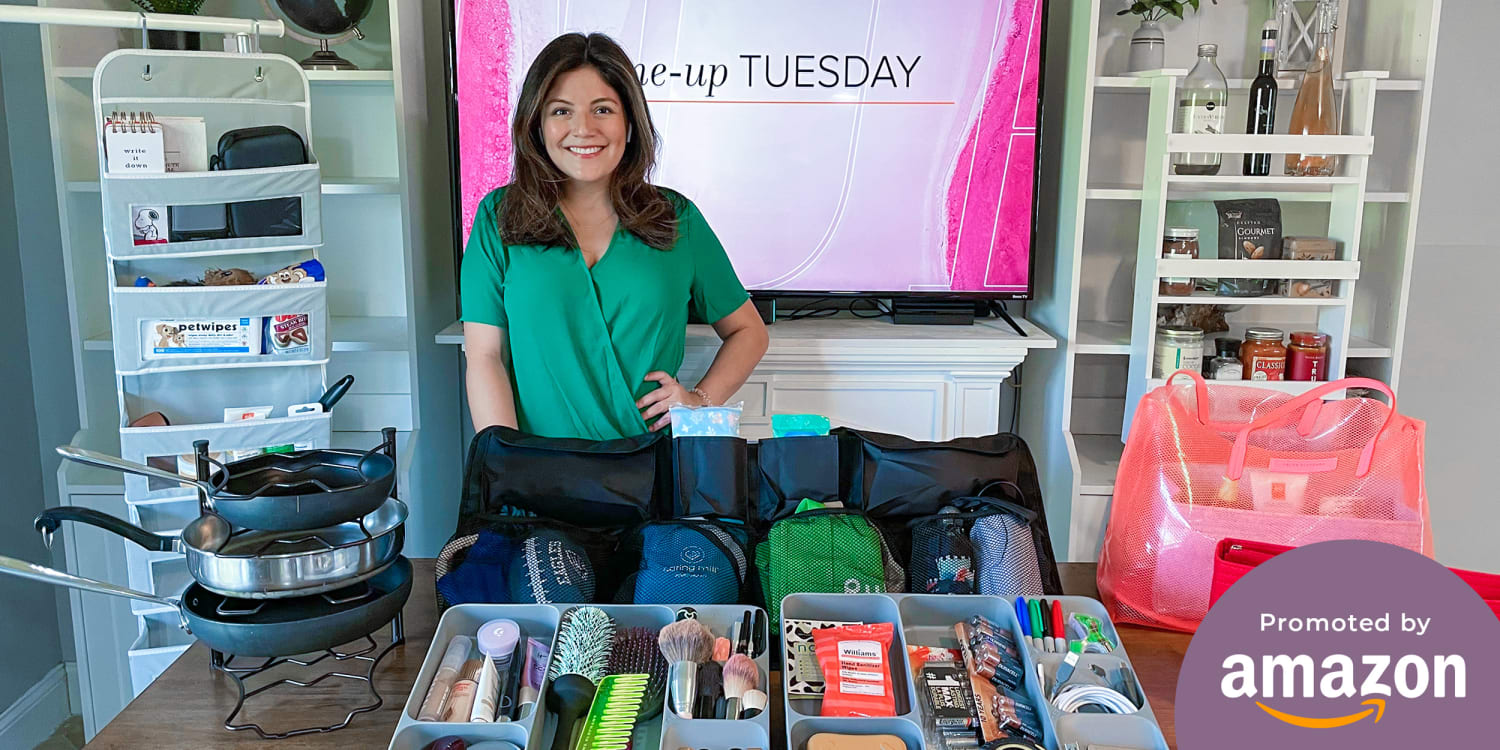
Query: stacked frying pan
[[293, 552]]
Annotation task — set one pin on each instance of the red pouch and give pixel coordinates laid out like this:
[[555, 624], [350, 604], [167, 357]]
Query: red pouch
[[856, 670], [1233, 558]]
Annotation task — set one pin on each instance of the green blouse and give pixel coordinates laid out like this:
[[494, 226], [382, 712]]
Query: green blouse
[[583, 340]]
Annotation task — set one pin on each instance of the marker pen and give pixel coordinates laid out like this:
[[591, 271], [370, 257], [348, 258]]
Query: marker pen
[[1036, 624], [1058, 630]]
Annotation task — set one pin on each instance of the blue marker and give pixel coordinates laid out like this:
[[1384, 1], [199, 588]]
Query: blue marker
[[1023, 617]]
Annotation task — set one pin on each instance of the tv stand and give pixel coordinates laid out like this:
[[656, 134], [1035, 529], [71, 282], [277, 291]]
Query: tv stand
[[998, 310]]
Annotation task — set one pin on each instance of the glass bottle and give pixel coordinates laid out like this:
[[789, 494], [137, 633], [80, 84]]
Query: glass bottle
[[1262, 109], [1202, 103], [1316, 110], [1226, 365]]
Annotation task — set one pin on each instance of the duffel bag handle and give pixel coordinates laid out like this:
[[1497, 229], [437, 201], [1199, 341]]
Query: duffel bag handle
[[981, 497], [1310, 403]]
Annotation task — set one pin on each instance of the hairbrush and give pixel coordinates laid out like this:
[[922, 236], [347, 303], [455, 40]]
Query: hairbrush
[[685, 644], [610, 723], [579, 660], [710, 687], [635, 652], [740, 674]]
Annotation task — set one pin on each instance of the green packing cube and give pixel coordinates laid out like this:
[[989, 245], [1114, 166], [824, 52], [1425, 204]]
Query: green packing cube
[[817, 550]]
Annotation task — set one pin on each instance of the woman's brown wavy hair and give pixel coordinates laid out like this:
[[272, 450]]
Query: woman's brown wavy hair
[[529, 213]]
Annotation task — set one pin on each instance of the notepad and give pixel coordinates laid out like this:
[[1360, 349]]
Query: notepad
[[185, 143], [133, 144]]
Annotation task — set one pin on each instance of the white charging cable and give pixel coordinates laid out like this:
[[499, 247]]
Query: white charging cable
[[1075, 697]]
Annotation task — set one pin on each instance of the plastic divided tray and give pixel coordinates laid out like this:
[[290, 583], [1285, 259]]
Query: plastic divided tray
[[536, 727], [928, 620]]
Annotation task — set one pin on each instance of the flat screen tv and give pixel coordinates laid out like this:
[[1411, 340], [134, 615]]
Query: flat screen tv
[[836, 147]]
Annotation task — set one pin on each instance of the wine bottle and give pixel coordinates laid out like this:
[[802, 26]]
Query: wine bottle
[[1201, 105], [1315, 112], [1262, 111]]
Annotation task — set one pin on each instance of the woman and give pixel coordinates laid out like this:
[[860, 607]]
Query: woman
[[579, 275]]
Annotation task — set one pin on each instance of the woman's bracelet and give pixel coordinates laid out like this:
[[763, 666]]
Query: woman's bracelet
[[700, 393]]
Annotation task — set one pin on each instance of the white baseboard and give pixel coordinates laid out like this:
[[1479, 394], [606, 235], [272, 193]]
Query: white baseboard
[[75, 688], [38, 712]]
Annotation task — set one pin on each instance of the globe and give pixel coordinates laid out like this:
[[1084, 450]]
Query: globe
[[323, 22]]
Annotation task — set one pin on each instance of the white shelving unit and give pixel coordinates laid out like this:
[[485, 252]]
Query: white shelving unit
[[1097, 292], [378, 136]]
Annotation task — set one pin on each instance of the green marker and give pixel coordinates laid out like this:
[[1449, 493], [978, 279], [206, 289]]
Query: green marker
[[1036, 623]]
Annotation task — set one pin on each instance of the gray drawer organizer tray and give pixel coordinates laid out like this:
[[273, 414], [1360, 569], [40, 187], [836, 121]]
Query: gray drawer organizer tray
[[535, 729], [927, 620]]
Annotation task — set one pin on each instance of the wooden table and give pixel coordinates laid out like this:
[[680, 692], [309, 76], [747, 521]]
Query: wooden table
[[186, 706]]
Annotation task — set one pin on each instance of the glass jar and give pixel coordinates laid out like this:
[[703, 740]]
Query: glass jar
[[1179, 243], [1226, 365], [1262, 355], [1177, 348], [1307, 356]]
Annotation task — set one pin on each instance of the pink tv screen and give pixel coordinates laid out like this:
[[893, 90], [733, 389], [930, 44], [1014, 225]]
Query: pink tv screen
[[834, 146]]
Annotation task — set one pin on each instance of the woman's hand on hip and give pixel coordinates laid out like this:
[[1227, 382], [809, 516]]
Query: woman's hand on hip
[[658, 402]]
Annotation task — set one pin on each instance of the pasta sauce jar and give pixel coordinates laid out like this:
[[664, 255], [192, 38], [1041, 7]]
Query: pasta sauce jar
[[1307, 357], [1263, 355]]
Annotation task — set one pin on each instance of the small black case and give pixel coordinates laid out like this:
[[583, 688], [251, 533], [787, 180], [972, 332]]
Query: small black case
[[251, 148]]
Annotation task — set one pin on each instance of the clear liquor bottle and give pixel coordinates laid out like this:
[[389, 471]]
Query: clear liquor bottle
[[1316, 110], [1202, 103]]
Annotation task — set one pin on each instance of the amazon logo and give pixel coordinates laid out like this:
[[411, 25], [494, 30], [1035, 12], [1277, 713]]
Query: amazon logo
[[1367, 686]]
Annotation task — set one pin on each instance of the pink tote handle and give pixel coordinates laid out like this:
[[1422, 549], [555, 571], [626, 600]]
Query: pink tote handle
[[1310, 403]]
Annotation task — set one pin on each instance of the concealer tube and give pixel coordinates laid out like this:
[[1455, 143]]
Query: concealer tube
[[447, 674], [461, 698], [486, 693]]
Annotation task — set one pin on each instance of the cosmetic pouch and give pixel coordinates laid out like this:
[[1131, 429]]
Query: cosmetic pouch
[[1233, 558], [254, 148]]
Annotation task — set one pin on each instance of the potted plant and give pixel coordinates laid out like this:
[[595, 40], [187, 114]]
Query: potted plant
[[164, 39], [1148, 46]]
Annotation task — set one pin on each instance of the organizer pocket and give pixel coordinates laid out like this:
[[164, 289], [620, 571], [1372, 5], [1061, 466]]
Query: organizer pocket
[[178, 328], [789, 469], [711, 477], [611, 483], [523, 559], [166, 446], [194, 213], [895, 476], [825, 551]]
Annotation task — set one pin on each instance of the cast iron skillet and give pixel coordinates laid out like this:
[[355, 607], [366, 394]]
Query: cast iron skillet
[[283, 491], [264, 627]]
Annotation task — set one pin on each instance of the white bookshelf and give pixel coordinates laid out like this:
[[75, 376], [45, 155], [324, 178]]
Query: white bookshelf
[[1099, 261], [379, 136]]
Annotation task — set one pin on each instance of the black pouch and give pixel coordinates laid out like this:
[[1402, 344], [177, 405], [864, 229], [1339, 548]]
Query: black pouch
[[599, 484], [789, 469], [893, 477], [711, 477], [253, 148], [540, 559]]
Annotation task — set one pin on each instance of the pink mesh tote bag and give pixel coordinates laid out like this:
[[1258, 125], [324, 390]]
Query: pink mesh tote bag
[[1205, 463]]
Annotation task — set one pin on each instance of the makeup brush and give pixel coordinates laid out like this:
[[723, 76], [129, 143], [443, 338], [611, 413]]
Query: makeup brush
[[753, 703], [742, 644], [635, 652], [740, 674], [710, 689], [579, 660], [685, 644]]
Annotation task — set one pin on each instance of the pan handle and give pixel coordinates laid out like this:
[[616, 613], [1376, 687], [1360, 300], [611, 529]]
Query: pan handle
[[49, 520], [23, 569], [336, 392], [104, 461]]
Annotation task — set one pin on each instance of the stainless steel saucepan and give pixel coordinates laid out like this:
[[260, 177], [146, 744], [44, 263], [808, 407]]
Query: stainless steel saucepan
[[263, 564]]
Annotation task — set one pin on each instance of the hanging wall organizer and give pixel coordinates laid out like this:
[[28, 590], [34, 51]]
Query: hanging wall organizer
[[165, 360]]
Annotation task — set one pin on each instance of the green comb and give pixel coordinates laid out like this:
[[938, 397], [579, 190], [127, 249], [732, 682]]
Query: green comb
[[610, 723]]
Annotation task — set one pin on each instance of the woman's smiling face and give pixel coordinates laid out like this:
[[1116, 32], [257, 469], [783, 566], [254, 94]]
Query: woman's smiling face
[[584, 126]]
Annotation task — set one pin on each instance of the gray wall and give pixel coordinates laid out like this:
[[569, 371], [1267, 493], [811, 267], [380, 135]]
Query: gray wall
[[29, 613], [1452, 348]]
